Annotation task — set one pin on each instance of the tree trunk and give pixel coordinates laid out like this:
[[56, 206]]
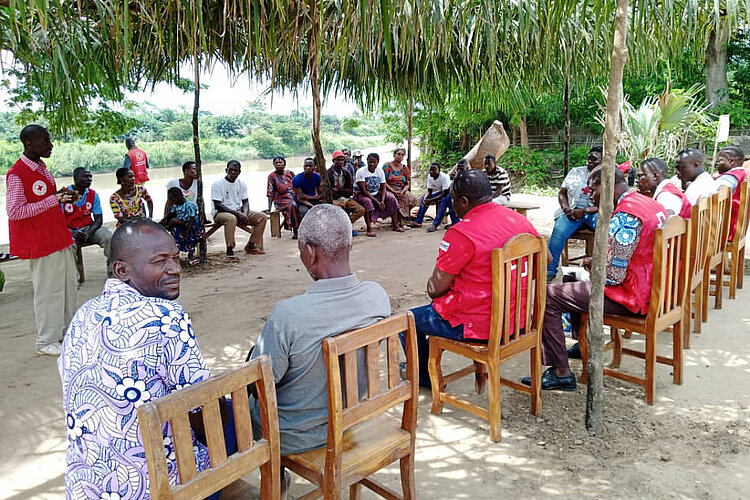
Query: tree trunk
[[410, 133], [716, 65], [566, 99], [595, 330], [202, 250], [524, 132], [314, 65]]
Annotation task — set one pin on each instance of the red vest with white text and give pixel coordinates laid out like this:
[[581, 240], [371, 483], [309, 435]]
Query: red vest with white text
[[686, 209], [44, 233], [469, 299], [77, 216], [138, 163], [740, 174], [635, 290]]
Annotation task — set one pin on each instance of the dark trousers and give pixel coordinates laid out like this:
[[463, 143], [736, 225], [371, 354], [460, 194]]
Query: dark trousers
[[573, 298]]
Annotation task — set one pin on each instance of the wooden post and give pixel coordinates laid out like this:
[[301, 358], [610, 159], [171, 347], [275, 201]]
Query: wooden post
[[566, 99], [595, 330], [410, 131], [314, 64], [524, 132], [202, 247]]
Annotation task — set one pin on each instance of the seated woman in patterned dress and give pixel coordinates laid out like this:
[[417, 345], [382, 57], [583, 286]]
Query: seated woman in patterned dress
[[398, 182], [128, 202], [183, 223], [281, 193]]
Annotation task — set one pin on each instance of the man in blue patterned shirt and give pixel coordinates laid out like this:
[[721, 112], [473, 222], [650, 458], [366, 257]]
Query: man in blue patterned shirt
[[128, 346]]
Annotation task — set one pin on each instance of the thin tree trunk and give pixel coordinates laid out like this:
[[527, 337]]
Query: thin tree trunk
[[566, 99], [524, 132], [314, 64], [716, 65], [410, 133], [202, 251], [595, 330]]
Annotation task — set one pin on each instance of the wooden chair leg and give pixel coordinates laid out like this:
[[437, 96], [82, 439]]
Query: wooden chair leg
[[408, 483], [700, 316], [355, 491], [686, 320], [740, 267], [705, 289], [270, 480], [495, 411], [677, 351], [583, 345], [564, 256], [79, 266], [733, 277], [436, 376], [331, 486], [480, 377], [535, 358], [650, 367], [617, 351], [719, 285]]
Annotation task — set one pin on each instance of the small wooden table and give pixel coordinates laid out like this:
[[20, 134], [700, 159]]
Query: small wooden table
[[522, 206]]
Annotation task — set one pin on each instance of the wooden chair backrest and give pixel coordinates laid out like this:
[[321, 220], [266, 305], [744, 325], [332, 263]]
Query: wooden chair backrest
[[721, 213], [341, 352], [175, 407], [743, 215], [527, 253], [700, 232], [671, 267]]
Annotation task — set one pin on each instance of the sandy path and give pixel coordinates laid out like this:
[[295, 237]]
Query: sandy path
[[693, 443]]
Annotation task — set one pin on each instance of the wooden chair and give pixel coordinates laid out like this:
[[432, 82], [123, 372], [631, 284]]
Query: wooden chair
[[700, 233], [79, 262], [735, 250], [721, 211], [224, 470], [275, 217], [507, 339], [361, 439], [585, 235], [668, 295]]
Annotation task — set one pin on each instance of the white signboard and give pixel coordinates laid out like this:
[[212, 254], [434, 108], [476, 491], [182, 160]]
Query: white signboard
[[722, 131]]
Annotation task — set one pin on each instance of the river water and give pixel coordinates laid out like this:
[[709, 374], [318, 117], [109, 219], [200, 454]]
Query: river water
[[254, 173]]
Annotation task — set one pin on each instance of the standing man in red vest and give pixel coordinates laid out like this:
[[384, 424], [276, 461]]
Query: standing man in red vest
[[729, 163], [653, 181], [461, 283], [84, 217], [627, 291], [38, 233], [137, 161]]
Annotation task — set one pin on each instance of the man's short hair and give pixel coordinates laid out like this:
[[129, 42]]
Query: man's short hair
[[186, 165], [129, 142], [328, 228], [734, 152], [597, 149], [489, 156], [31, 132], [173, 191], [374, 155], [692, 154], [463, 161], [233, 163], [78, 170], [596, 176], [473, 184], [656, 165], [435, 164], [124, 239]]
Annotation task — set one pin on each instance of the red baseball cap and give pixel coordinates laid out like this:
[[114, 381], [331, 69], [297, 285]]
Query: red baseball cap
[[336, 154]]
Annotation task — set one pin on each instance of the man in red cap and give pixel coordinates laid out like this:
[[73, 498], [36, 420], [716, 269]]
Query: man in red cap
[[342, 187]]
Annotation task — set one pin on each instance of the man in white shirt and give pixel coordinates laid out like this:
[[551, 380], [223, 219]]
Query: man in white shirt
[[653, 181], [689, 167], [438, 193], [230, 209]]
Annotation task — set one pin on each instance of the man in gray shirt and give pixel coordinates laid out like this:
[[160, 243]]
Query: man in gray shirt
[[292, 336]]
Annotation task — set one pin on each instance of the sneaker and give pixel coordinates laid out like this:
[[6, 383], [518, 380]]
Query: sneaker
[[551, 382], [355, 232], [48, 350]]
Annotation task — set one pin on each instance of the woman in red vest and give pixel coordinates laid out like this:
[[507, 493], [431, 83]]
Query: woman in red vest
[[38, 233]]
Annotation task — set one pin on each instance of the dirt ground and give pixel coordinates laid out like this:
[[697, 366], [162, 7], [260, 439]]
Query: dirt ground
[[694, 442]]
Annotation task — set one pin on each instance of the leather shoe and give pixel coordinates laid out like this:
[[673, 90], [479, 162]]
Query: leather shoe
[[550, 381], [574, 351]]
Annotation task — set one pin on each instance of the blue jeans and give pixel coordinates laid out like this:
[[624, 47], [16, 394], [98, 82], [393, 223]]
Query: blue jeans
[[563, 230], [445, 204], [429, 322]]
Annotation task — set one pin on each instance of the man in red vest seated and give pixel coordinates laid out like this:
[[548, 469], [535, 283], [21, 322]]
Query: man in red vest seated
[[732, 174], [630, 250], [653, 181], [461, 283], [38, 233], [137, 161], [84, 217]]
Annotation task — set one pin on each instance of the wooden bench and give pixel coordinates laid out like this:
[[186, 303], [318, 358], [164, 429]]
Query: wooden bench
[[275, 216], [361, 438], [224, 471], [585, 235], [521, 252], [668, 296]]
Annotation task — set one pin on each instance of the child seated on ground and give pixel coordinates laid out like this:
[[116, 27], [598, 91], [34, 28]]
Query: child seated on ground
[[183, 223]]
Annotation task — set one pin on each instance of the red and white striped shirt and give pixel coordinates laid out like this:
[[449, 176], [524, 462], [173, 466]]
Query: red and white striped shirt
[[16, 205]]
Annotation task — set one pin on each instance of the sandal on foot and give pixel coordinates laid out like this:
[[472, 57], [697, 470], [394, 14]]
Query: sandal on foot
[[371, 234], [432, 229], [398, 229]]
